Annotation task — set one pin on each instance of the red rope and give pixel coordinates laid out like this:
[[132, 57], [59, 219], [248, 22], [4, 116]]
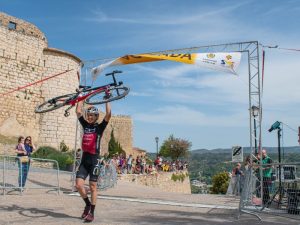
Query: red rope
[[30, 84]]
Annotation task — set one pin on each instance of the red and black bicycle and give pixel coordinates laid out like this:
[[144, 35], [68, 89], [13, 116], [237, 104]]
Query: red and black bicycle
[[92, 96]]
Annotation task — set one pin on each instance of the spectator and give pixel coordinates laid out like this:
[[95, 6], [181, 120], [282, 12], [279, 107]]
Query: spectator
[[153, 170], [133, 165], [29, 146], [156, 161], [121, 163], [23, 161], [165, 166], [129, 164], [237, 170], [114, 161], [247, 163], [138, 165], [267, 176], [235, 181], [160, 160], [143, 164]]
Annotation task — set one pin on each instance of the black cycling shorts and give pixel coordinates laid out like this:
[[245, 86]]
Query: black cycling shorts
[[87, 167]]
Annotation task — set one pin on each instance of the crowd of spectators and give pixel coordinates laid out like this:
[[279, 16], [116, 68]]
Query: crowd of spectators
[[142, 164]]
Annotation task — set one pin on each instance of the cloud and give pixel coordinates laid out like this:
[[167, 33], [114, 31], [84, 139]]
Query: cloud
[[100, 17], [191, 84], [183, 115], [140, 94], [202, 25]]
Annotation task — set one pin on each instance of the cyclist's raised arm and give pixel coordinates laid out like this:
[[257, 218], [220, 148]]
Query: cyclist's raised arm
[[108, 112], [79, 107]]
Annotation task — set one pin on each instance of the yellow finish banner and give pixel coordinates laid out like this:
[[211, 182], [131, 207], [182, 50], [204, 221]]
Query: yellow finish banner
[[222, 61]]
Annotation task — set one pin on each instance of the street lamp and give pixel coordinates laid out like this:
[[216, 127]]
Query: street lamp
[[255, 112], [156, 139]]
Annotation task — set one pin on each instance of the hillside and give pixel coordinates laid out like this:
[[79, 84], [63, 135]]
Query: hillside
[[292, 149], [203, 163]]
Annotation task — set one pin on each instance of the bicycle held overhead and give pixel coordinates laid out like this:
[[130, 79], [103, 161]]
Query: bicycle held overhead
[[93, 96]]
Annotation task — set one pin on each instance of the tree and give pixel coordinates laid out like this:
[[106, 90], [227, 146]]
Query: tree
[[114, 147], [220, 183], [175, 148]]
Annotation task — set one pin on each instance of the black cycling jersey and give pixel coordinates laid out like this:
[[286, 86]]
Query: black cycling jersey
[[92, 134]]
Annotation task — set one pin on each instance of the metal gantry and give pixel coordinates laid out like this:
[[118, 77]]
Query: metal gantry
[[251, 49]]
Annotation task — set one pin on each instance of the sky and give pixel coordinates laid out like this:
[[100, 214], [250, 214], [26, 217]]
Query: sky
[[205, 107]]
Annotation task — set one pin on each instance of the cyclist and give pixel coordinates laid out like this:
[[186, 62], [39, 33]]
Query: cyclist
[[92, 133]]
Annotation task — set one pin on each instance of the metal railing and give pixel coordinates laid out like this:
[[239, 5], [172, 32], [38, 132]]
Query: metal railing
[[275, 191], [107, 177], [236, 184], [37, 173]]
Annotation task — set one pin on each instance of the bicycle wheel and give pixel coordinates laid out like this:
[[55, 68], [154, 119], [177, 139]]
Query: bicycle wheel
[[115, 94], [54, 103]]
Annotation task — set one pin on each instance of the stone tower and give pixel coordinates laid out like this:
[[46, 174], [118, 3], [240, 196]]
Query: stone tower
[[25, 57]]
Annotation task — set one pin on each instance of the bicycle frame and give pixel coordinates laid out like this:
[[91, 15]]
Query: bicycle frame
[[91, 91], [94, 90]]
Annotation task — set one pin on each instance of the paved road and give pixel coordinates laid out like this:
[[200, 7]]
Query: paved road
[[38, 207]]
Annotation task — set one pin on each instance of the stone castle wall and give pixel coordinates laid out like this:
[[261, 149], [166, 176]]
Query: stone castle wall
[[162, 181], [122, 126], [24, 58]]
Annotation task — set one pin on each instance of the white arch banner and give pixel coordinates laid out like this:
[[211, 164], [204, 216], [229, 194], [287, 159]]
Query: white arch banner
[[222, 61]]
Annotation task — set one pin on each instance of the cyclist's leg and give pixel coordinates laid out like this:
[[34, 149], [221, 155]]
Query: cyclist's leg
[[81, 175], [93, 187], [94, 172]]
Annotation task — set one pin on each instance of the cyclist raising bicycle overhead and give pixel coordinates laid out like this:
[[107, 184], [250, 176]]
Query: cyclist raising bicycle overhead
[[92, 133]]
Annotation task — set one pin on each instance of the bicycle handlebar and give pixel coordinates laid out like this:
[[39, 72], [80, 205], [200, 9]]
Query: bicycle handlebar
[[113, 73], [108, 74]]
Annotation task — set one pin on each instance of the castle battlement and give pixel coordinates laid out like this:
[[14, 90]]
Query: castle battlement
[[21, 26]]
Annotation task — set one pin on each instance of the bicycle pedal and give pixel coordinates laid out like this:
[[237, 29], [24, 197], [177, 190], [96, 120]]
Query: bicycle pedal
[[67, 114], [107, 96]]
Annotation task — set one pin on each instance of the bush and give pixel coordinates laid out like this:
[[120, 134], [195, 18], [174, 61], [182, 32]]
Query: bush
[[220, 183], [44, 151], [64, 159], [176, 177], [63, 147]]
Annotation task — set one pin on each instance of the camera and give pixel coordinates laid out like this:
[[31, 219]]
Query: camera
[[275, 126]]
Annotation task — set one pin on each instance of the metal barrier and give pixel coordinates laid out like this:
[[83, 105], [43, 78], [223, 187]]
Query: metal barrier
[[108, 176], [35, 174], [235, 186], [276, 192]]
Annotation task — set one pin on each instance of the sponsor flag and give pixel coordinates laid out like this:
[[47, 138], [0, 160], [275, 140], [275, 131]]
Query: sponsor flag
[[221, 61]]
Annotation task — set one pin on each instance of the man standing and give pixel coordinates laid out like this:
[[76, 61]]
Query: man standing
[[129, 164], [267, 175], [92, 133]]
